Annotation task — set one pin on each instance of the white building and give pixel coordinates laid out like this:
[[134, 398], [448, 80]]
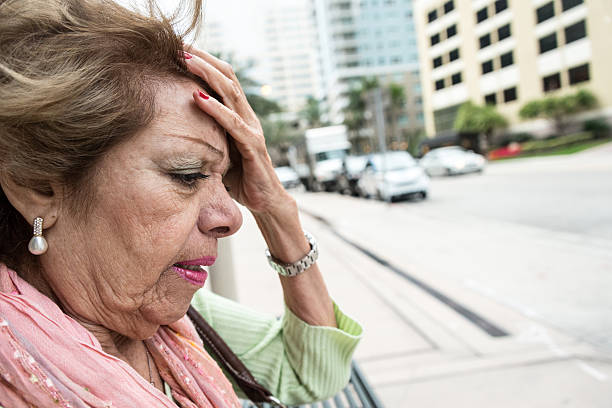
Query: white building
[[366, 38], [291, 58]]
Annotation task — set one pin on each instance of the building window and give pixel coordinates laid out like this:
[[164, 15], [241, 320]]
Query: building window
[[510, 94], [485, 40], [507, 59], [503, 32], [551, 82], [545, 12], [432, 15], [482, 15], [491, 99], [487, 67], [579, 74], [501, 5], [435, 39], [449, 6], [456, 78], [575, 32], [451, 31], [454, 54], [548, 43], [437, 62], [568, 4], [439, 84]]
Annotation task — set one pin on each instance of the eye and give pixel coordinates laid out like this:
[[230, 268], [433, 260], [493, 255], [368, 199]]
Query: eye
[[189, 179]]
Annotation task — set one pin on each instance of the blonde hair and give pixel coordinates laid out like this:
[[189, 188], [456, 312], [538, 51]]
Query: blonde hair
[[77, 77]]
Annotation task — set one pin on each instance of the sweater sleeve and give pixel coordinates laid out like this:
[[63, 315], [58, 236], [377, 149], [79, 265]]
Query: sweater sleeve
[[297, 362]]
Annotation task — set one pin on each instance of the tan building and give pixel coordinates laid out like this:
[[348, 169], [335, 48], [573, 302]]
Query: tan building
[[508, 52]]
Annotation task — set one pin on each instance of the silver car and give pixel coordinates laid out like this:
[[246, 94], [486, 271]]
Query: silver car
[[288, 177], [447, 161], [392, 176]]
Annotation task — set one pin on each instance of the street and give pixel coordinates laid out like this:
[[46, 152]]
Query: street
[[495, 291]]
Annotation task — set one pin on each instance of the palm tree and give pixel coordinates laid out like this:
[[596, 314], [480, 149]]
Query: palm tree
[[397, 100], [354, 112], [312, 112], [479, 119], [558, 108]]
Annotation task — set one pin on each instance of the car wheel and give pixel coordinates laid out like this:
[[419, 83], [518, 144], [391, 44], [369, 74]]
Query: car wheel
[[423, 195], [448, 172]]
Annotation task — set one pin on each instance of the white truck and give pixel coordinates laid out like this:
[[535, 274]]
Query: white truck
[[318, 160]]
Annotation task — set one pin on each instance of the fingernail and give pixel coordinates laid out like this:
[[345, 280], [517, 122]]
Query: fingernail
[[203, 95], [187, 55]]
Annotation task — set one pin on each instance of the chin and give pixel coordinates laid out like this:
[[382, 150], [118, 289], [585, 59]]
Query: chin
[[168, 315]]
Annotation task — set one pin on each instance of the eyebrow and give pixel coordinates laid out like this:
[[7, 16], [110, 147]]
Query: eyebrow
[[210, 147]]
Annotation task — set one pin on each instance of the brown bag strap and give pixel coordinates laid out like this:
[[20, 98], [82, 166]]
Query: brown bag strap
[[230, 361]]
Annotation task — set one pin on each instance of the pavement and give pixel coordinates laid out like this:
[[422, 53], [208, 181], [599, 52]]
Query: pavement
[[431, 340]]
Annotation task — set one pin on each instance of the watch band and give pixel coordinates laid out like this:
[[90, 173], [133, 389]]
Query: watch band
[[299, 266]]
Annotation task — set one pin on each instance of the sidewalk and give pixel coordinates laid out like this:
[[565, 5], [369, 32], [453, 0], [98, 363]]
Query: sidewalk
[[419, 352]]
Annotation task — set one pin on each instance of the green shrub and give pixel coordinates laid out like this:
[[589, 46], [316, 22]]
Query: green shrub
[[598, 127], [556, 142], [521, 137]]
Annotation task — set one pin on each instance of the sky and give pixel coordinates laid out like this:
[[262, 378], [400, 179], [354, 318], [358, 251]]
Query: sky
[[241, 22]]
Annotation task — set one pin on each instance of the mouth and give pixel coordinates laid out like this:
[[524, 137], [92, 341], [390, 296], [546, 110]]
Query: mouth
[[194, 271]]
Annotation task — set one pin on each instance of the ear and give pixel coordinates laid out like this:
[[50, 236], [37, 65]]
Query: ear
[[32, 203]]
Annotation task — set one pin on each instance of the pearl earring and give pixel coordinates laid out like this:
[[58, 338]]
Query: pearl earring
[[38, 244]]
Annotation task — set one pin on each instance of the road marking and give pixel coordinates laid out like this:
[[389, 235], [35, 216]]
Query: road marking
[[593, 372], [490, 293], [538, 334]]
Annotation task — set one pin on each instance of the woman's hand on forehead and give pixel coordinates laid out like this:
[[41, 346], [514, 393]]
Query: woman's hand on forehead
[[252, 180]]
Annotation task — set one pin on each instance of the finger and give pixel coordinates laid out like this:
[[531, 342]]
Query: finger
[[223, 66], [248, 141], [223, 85], [230, 90]]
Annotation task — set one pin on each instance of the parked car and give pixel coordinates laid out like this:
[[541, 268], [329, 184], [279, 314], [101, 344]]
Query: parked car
[[392, 176], [352, 169], [447, 161], [288, 177]]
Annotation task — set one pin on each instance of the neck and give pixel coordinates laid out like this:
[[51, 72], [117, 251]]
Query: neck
[[133, 352], [31, 272]]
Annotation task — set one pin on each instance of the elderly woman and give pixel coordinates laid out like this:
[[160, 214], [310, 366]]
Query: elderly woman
[[121, 155]]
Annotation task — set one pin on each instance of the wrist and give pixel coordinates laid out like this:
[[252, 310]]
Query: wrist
[[282, 231]]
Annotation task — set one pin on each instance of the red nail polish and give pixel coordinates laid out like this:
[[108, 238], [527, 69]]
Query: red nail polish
[[203, 95], [187, 55]]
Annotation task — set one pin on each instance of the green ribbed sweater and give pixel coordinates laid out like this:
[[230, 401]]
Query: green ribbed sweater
[[297, 362]]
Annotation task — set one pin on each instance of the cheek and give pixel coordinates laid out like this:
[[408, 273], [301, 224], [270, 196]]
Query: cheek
[[147, 227]]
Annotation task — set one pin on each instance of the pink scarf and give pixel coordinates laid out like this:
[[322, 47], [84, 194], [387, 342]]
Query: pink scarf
[[48, 360]]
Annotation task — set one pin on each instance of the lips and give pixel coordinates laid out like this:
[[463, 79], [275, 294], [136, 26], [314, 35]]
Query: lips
[[193, 270]]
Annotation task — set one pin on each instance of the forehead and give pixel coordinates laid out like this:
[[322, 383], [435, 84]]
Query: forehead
[[179, 120]]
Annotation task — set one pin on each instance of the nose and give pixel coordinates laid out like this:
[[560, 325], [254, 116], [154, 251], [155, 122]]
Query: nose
[[219, 215]]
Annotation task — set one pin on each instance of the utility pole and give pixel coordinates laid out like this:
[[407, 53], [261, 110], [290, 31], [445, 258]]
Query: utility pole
[[380, 126]]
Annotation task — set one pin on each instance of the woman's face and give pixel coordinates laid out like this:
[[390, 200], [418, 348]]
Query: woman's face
[[159, 201]]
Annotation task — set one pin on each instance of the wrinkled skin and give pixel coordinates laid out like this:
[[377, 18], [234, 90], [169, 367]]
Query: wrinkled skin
[[143, 220]]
